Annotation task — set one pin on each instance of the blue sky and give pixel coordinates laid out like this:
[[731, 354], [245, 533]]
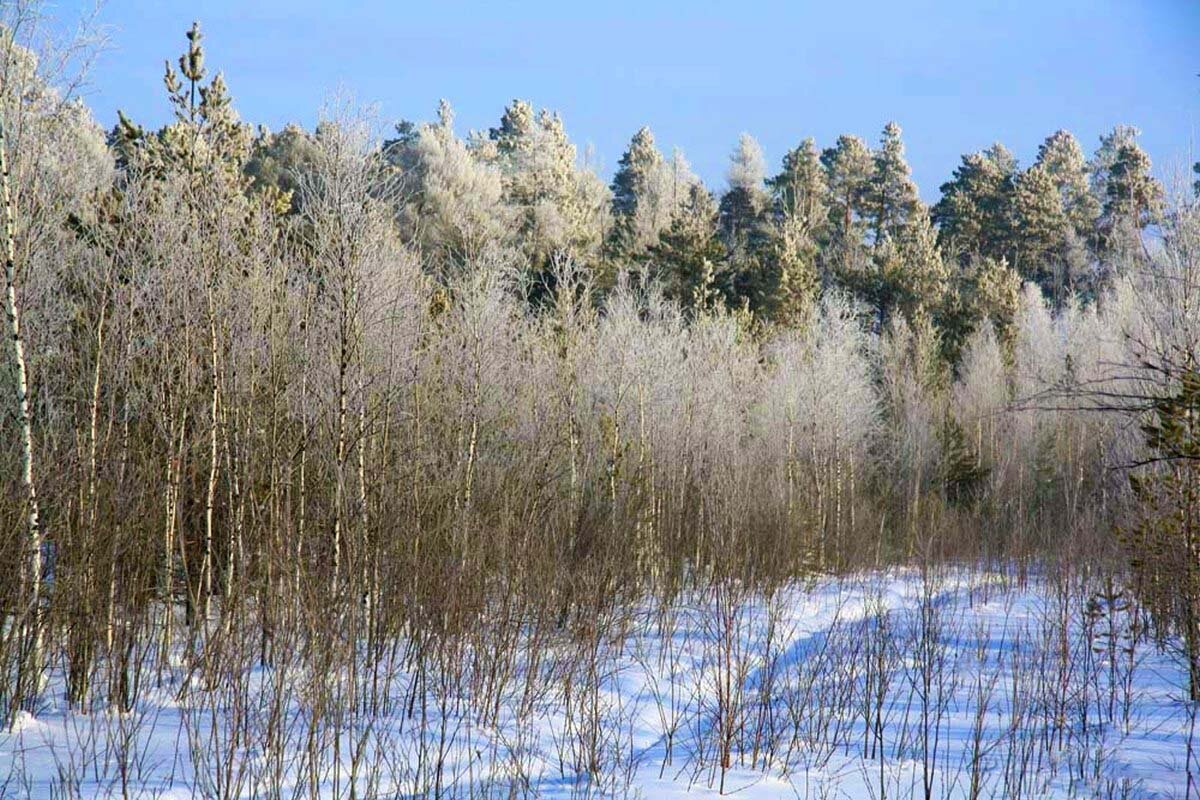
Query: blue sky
[[956, 75]]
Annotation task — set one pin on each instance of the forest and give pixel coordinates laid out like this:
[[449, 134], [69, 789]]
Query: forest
[[381, 461]]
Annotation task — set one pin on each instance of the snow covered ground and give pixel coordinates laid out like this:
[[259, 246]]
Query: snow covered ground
[[880, 686]]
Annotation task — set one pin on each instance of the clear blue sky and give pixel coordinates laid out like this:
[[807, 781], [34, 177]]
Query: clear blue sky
[[956, 75]]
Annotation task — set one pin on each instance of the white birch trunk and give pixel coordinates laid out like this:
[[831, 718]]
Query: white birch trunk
[[32, 560]]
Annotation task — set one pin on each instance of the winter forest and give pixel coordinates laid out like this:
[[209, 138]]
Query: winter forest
[[374, 460]]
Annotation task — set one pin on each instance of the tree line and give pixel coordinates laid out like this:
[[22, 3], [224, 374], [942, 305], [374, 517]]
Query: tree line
[[316, 386]]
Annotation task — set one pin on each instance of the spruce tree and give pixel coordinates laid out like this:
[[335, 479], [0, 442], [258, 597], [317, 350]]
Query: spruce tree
[[689, 254], [634, 205], [744, 227]]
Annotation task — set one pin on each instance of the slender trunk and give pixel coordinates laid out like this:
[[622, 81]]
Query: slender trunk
[[210, 499], [31, 636], [339, 500]]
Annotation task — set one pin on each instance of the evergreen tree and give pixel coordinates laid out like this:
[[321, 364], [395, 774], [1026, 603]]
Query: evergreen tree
[[561, 208], [1132, 197], [1040, 231], [995, 295], [904, 274], [1062, 158], [689, 253], [452, 204], [799, 191], [974, 213], [799, 221], [744, 226], [279, 161], [742, 207], [636, 209], [926, 275], [892, 196], [848, 170], [1106, 155]]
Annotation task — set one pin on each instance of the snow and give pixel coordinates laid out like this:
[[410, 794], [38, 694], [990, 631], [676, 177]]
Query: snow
[[880, 685]]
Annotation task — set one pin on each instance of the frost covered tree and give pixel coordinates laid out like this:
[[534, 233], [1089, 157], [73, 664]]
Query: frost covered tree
[[799, 191], [647, 190], [974, 214], [636, 207], [799, 222], [904, 274], [926, 277], [561, 208], [743, 205], [1040, 232], [689, 254], [848, 170], [891, 196], [743, 221], [1062, 159], [200, 157], [452, 205], [1133, 198], [278, 162]]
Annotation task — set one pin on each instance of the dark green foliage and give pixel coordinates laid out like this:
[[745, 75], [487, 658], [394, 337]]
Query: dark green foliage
[[1040, 231], [963, 472], [974, 215], [689, 254], [1164, 543], [848, 170]]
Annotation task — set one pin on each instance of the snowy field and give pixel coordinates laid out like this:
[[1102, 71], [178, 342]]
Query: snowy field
[[881, 686]]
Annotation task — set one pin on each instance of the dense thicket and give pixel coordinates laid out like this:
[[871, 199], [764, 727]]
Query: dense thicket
[[307, 386]]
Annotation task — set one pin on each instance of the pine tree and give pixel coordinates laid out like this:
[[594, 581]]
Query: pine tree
[[1132, 197], [1164, 545], [1105, 156], [1040, 232], [561, 208], [1062, 158], [452, 204], [996, 296], [278, 163], [742, 207], [892, 196], [974, 214], [799, 221], [926, 276], [848, 170], [799, 191]]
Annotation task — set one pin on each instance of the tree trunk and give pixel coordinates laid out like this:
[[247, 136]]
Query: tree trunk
[[31, 646]]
